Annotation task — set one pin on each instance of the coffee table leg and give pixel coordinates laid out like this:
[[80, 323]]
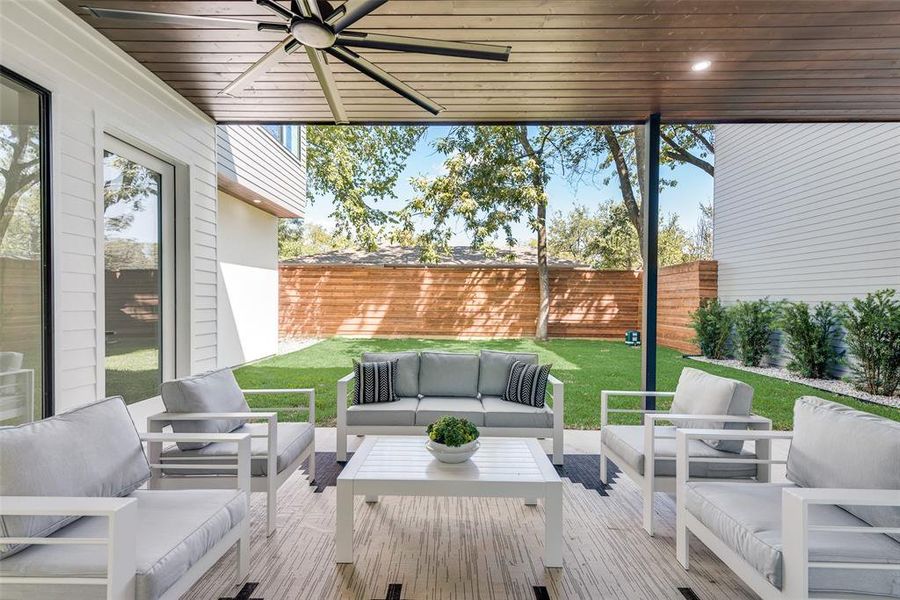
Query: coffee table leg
[[343, 527], [371, 499], [530, 501], [553, 525]]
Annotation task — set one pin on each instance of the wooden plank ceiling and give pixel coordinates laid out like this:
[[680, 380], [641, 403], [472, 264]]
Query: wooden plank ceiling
[[572, 60]]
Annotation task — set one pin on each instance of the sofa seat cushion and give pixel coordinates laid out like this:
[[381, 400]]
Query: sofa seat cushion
[[431, 408], [93, 450], [500, 413], [398, 413], [628, 442], [494, 367], [747, 518], [448, 374], [293, 439], [175, 529], [406, 381]]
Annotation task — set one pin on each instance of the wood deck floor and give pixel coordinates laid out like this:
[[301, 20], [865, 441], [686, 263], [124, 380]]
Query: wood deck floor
[[478, 548]]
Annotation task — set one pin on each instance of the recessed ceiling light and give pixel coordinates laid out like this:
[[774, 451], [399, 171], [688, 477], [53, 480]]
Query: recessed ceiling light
[[257, 201], [701, 65]]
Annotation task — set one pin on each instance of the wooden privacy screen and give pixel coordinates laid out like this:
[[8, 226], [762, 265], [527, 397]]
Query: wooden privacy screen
[[483, 302]]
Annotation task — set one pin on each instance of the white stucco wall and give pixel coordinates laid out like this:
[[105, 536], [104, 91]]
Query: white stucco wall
[[807, 212], [248, 282], [96, 89]]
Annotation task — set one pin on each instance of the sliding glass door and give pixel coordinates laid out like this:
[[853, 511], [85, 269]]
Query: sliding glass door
[[137, 194], [25, 350]]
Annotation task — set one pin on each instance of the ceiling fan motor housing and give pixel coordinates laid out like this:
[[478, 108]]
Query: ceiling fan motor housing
[[312, 33]]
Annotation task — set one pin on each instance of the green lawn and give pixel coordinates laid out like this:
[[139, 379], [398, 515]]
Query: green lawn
[[132, 369], [585, 366]]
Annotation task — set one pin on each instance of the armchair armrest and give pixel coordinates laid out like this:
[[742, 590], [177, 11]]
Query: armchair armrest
[[210, 416], [311, 408], [604, 402], [762, 439], [242, 440], [651, 419], [342, 398], [120, 539]]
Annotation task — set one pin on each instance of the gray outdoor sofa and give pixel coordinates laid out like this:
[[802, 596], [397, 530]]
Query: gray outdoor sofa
[[833, 531], [432, 384], [75, 525]]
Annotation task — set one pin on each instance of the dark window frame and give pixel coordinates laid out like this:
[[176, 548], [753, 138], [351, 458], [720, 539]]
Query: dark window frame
[[45, 107]]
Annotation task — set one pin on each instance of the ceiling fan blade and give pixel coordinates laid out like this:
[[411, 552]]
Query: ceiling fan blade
[[169, 18], [277, 8], [307, 8], [329, 85], [384, 78], [358, 39], [350, 12], [260, 67]]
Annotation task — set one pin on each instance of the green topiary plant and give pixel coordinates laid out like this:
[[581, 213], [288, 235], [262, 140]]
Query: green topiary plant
[[873, 338], [753, 325], [452, 431], [811, 338], [712, 324]]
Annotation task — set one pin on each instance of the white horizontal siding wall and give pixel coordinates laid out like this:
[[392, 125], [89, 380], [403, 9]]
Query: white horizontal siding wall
[[98, 89], [807, 212]]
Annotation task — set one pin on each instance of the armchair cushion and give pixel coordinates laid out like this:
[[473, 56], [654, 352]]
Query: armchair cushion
[[494, 369], [448, 374], [214, 391], [293, 439], [628, 442], [835, 446], [406, 381], [93, 450], [175, 529], [699, 393], [747, 518], [431, 408]]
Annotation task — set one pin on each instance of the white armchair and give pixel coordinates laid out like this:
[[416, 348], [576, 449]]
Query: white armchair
[[646, 453], [278, 449], [787, 541]]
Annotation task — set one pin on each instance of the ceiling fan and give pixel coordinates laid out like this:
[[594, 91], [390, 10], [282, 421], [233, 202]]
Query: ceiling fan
[[321, 30]]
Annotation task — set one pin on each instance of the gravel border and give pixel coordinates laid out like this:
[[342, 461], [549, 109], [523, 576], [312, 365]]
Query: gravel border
[[835, 386]]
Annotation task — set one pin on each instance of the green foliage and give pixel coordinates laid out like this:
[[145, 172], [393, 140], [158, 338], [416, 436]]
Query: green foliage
[[753, 326], [811, 338], [452, 431], [712, 324], [358, 166], [296, 238], [873, 338]]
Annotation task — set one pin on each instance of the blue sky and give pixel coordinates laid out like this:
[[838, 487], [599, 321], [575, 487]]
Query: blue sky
[[694, 186]]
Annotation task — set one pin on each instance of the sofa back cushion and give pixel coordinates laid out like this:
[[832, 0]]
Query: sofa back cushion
[[211, 392], [448, 374], [699, 393], [406, 380], [494, 367], [93, 450], [835, 446]]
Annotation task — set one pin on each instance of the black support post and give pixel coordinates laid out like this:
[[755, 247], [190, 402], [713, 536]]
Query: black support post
[[650, 250]]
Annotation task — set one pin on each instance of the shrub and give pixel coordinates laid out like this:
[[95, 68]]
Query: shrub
[[811, 338], [452, 431], [873, 338], [753, 323], [712, 324]]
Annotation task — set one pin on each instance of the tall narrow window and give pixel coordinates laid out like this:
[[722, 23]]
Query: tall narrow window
[[24, 251], [137, 195]]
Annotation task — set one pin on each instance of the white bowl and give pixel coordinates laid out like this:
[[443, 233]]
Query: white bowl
[[452, 454]]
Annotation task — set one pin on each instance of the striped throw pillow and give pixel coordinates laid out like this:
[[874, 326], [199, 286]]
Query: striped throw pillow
[[374, 381], [527, 384]]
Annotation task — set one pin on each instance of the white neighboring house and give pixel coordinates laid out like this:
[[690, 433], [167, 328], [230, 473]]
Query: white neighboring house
[[220, 192], [807, 212]]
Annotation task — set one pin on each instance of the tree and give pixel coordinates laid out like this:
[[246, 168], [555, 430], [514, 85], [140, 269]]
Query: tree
[[122, 254], [20, 169], [617, 151], [358, 166], [703, 235], [296, 238], [494, 177]]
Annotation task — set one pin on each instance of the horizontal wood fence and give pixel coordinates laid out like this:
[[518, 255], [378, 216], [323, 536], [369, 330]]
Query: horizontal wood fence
[[483, 302]]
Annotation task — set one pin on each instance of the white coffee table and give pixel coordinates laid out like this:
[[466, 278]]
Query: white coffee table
[[401, 466]]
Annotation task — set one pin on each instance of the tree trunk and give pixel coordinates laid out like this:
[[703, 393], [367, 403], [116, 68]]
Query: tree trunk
[[543, 273]]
